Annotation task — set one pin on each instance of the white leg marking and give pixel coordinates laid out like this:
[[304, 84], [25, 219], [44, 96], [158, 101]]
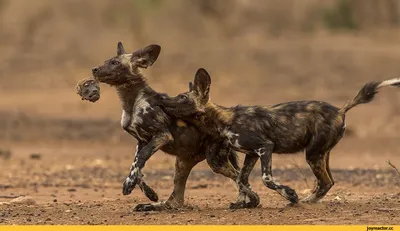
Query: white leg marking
[[310, 198], [268, 178], [134, 156], [128, 180], [260, 151], [282, 191]]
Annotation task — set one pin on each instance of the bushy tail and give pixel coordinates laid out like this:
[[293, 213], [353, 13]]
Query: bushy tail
[[367, 93]]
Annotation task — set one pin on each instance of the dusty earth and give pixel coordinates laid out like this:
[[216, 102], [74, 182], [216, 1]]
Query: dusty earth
[[79, 182], [63, 161]]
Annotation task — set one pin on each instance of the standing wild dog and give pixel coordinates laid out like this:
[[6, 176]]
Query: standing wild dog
[[154, 130], [89, 89], [257, 131]]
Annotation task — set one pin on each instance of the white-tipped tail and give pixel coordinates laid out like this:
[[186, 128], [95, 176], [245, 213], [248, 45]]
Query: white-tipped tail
[[367, 93], [390, 82]]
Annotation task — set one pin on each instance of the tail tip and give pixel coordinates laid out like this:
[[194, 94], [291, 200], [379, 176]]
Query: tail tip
[[396, 84], [390, 82]]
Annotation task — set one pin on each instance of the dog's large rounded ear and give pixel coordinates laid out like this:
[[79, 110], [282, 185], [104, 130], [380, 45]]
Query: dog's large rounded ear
[[190, 86], [120, 49], [202, 83], [147, 56]]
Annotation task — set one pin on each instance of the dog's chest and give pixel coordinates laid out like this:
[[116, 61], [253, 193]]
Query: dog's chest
[[140, 109], [136, 117]]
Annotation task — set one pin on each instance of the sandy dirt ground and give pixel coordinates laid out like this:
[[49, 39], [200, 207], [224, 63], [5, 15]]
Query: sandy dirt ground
[[63, 161], [80, 182]]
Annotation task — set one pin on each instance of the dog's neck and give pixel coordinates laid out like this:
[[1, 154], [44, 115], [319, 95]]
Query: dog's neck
[[133, 90], [221, 115], [215, 119]]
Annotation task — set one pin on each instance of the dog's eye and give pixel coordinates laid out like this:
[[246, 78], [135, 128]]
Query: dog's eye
[[114, 62], [86, 84], [183, 97]]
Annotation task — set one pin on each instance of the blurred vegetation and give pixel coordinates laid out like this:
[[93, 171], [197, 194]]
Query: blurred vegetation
[[263, 51], [362, 14], [340, 16], [47, 37], [148, 4], [2, 4]]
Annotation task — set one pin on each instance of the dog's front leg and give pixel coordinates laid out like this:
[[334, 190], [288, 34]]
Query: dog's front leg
[[132, 185], [141, 157], [126, 122], [147, 190]]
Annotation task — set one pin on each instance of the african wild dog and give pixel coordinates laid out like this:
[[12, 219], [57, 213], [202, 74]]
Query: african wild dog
[[155, 130], [257, 131], [89, 89]]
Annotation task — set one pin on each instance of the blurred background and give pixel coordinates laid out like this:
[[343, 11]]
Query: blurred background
[[257, 52]]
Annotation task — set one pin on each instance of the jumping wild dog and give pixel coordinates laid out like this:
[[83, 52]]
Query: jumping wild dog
[[154, 130], [89, 89], [257, 131]]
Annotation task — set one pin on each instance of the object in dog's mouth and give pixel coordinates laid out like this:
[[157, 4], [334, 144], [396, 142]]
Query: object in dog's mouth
[[88, 89], [94, 97]]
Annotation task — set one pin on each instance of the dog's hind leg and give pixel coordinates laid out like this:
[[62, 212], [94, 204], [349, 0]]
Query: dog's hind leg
[[265, 154], [328, 169], [317, 156], [223, 160], [317, 161], [244, 186]]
